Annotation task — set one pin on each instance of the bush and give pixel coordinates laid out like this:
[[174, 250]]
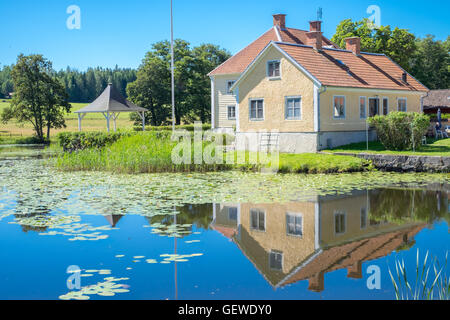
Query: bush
[[74, 141], [400, 130]]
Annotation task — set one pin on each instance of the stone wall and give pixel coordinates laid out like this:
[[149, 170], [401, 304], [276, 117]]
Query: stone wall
[[406, 163]]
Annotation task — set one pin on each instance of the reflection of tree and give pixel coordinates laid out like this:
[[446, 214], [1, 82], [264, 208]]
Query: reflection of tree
[[396, 205], [199, 215]]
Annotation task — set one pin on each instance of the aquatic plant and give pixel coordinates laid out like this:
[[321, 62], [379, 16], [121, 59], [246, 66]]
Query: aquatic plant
[[426, 285]]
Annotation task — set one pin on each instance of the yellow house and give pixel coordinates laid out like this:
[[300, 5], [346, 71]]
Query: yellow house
[[308, 95]]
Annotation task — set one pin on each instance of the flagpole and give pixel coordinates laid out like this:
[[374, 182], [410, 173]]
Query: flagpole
[[172, 67]]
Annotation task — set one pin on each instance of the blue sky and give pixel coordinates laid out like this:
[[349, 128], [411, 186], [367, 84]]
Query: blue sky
[[120, 32]]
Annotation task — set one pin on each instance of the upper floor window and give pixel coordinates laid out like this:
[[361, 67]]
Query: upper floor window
[[273, 69], [230, 83], [276, 260], [231, 111], [294, 224], [257, 109], [339, 107], [257, 220], [402, 104], [293, 108], [362, 107]]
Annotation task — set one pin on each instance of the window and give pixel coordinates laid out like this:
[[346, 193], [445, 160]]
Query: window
[[229, 85], [363, 218], [385, 106], [257, 109], [339, 107], [276, 260], [232, 213], [362, 107], [373, 107], [273, 69], [257, 220], [339, 222], [231, 110], [402, 104], [293, 108], [294, 224]]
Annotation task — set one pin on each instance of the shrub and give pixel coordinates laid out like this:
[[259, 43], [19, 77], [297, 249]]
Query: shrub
[[400, 130], [74, 141]]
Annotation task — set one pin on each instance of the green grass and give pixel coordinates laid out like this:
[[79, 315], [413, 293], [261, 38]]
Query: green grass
[[148, 152], [92, 122], [433, 148]]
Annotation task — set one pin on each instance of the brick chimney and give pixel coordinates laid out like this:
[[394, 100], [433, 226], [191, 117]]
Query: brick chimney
[[314, 39], [279, 20], [353, 44], [315, 25]]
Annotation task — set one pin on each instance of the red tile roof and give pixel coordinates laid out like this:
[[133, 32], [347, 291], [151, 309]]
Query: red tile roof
[[241, 60], [342, 68]]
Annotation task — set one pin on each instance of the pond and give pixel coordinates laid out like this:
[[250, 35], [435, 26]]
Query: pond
[[94, 235]]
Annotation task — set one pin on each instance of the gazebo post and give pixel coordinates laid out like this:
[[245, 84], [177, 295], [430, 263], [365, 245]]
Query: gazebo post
[[143, 120], [80, 117], [114, 118]]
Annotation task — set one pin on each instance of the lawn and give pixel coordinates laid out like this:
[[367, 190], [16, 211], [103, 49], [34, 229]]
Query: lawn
[[433, 148], [92, 122]]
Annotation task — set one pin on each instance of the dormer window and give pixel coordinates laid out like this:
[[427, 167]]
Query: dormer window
[[273, 69]]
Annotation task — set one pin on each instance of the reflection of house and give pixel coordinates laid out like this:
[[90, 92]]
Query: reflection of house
[[304, 240]]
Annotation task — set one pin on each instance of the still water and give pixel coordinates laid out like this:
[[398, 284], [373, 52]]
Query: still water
[[153, 244]]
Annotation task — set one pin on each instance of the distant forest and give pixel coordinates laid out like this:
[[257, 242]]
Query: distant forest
[[82, 86]]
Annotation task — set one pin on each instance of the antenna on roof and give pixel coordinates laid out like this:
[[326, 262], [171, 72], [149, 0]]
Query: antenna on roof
[[319, 14]]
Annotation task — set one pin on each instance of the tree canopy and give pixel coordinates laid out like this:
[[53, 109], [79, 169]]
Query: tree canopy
[[152, 89], [39, 98]]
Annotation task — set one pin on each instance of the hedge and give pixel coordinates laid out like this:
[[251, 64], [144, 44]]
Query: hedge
[[74, 141]]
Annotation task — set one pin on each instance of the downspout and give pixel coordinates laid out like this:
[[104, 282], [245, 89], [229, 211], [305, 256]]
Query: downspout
[[421, 100]]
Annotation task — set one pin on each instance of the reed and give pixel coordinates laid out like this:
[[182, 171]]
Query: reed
[[426, 285]]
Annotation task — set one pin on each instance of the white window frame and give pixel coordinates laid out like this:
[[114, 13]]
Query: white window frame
[[265, 220], [286, 108], [406, 104], [294, 214], [282, 259], [228, 112], [345, 107], [267, 70], [227, 87], [345, 222], [365, 107], [250, 109], [382, 106]]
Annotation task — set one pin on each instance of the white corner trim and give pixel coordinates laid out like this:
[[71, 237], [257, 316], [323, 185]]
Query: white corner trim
[[316, 108], [213, 103]]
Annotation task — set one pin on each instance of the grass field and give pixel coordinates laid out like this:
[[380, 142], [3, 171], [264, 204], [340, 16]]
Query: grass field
[[433, 148], [92, 122]]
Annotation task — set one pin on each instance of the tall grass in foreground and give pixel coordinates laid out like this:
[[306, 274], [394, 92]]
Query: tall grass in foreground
[[426, 285], [148, 152]]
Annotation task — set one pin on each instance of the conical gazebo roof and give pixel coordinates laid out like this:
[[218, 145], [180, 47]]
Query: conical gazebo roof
[[111, 101]]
